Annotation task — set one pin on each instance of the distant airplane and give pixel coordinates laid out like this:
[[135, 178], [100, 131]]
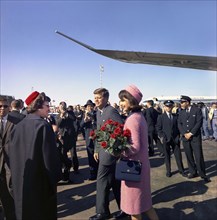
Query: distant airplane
[[173, 60]]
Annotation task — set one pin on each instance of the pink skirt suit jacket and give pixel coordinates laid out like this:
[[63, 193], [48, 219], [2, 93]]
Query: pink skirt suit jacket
[[136, 196]]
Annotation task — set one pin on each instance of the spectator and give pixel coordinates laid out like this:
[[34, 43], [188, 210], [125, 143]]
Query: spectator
[[213, 119], [35, 166], [205, 133], [6, 126], [88, 123], [65, 122], [151, 116]]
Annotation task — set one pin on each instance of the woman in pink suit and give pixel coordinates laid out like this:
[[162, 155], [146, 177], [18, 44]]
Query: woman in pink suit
[[136, 196]]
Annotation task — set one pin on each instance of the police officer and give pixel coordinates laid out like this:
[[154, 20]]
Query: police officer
[[189, 124], [168, 132]]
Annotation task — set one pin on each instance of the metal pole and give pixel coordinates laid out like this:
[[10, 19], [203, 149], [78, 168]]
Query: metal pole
[[101, 71]]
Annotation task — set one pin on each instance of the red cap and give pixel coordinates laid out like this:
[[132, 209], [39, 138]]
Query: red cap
[[31, 97]]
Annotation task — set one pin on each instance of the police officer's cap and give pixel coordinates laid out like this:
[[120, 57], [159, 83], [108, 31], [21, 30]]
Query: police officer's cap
[[168, 103], [185, 98]]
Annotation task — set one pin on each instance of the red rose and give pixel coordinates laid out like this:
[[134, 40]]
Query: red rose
[[103, 128], [104, 144], [113, 136], [127, 133], [110, 121], [92, 134], [117, 131], [116, 123]]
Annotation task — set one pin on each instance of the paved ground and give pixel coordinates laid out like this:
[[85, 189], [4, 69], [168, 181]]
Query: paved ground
[[174, 198]]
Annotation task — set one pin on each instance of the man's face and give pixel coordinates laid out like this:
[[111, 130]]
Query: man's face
[[184, 104], [168, 108], [100, 101], [4, 108], [214, 106]]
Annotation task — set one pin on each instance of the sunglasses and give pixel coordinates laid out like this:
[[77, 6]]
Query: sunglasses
[[4, 106], [183, 101]]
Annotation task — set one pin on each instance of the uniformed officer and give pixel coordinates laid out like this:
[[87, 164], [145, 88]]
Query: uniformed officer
[[189, 124], [168, 132]]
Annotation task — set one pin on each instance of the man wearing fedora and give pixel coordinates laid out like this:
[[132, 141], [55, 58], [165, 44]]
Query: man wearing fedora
[[189, 123], [168, 132], [88, 123]]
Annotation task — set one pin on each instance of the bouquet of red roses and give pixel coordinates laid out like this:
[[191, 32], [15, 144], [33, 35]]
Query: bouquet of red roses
[[112, 137]]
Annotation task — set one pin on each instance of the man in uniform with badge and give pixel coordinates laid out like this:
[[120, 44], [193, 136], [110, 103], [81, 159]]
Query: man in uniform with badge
[[189, 124]]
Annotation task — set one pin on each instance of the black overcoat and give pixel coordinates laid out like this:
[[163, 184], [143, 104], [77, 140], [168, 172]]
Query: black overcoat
[[35, 169]]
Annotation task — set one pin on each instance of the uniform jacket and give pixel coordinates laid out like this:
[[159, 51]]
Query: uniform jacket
[[167, 128], [108, 112], [191, 122], [35, 169]]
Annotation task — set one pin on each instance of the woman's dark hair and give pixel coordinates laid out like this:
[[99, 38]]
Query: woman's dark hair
[[134, 105], [37, 103]]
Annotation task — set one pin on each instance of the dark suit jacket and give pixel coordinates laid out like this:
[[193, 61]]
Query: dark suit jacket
[[151, 116], [4, 140], [190, 123], [16, 116], [67, 129], [166, 128], [108, 112]]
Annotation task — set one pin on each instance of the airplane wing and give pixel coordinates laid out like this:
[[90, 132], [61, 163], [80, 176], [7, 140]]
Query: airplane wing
[[162, 59]]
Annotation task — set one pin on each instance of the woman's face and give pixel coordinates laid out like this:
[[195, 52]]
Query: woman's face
[[125, 105], [44, 111]]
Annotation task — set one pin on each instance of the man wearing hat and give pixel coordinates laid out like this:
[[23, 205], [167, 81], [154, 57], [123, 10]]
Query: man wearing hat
[[189, 123], [88, 122], [167, 129]]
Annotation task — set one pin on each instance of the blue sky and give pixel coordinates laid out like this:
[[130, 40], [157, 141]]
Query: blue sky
[[34, 57]]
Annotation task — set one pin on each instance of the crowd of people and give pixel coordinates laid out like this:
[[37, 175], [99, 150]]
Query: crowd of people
[[35, 145]]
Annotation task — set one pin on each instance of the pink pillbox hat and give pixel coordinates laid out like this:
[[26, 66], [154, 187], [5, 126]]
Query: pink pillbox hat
[[135, 92]]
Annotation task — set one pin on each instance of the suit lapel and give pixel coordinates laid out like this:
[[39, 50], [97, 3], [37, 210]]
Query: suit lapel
[[7, 127]]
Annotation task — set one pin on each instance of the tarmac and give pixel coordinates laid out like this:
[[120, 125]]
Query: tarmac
[[174, 198]]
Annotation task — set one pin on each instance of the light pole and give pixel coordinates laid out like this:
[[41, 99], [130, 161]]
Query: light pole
[[101, 67]]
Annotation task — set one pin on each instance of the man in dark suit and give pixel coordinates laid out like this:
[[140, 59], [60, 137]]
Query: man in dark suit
[[6, 125], [65, 122], [151, 116], [88, 123], [167, 129], [16, 106], [189, 123], [106, 170]]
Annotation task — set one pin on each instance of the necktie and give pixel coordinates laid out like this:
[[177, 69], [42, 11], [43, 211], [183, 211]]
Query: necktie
[[1, 127], [188, 113]]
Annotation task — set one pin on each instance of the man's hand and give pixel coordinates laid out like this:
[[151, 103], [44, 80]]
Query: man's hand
[[188, 135], [96, 157]]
